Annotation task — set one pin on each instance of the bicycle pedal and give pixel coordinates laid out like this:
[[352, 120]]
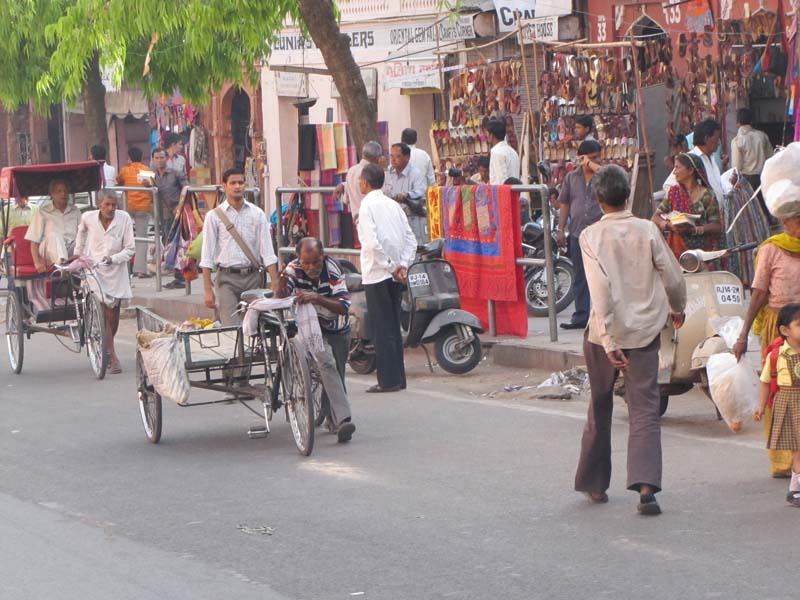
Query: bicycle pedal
[[257, 432]]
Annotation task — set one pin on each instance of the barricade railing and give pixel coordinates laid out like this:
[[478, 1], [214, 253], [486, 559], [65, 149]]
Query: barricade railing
[[547, 262]]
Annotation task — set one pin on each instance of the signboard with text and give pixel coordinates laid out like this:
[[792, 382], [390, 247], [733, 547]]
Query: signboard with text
[[528, 9], [544, 29], [411, 75]]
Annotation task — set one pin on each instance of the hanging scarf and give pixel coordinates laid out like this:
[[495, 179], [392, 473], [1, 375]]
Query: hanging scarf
[[786, 242]]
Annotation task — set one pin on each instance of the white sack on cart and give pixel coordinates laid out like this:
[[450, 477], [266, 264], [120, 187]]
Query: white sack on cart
[[309, 331], [780, 182], [164, 363], [734, 388]]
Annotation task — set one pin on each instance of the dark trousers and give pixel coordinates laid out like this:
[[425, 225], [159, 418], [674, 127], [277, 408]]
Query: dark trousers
[[644, 429], [383, 308], [582, 299]]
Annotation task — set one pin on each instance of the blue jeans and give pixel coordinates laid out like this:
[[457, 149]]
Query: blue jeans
[[582, 299]]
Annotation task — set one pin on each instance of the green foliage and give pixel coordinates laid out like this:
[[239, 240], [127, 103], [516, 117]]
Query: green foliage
[[47, 44]]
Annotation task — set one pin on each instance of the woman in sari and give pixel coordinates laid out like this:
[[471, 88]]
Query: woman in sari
[[690, 195]]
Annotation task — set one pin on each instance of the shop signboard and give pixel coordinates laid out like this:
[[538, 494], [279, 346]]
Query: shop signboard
[[544, 29], [292, 47], [291, 85], [528, 9], [370, 77], [411, 75]]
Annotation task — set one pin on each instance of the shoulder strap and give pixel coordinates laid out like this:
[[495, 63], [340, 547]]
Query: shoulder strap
[[248, 252]]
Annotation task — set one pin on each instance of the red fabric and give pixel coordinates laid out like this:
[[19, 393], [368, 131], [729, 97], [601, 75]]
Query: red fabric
[[34, 180], [483, 238], [21, 257], [771, 353]]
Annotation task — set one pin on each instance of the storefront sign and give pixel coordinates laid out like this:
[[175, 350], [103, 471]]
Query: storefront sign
[[293, 47], [528, 9], [539, 30], [370, 77], [411, 75], [291, 85]]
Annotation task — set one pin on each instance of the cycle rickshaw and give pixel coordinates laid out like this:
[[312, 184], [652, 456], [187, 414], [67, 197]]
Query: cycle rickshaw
[[56, 302]]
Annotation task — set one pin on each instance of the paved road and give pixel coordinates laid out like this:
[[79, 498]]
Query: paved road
[[453, 489]]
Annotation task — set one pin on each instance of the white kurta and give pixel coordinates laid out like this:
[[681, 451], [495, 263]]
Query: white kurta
[[54, 231], [116, 242]]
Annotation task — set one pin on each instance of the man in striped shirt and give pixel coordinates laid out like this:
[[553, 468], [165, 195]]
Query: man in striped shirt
[[318, 280]]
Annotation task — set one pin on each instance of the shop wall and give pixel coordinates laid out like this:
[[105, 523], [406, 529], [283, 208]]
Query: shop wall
[[76, 138]]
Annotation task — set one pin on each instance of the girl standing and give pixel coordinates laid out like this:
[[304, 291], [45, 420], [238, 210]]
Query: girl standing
[[785, 426]]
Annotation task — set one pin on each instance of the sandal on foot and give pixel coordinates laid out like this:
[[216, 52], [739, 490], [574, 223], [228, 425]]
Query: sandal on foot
[[596, 497], [648, 505]]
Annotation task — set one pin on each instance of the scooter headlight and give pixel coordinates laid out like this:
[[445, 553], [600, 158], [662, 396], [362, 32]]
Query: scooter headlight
[[690, 261]]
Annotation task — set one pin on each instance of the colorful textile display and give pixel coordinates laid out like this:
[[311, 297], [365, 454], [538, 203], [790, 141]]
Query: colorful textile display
[[435, 227], [752, 226], [352, 152], [483, 239], [340, 141], [326, 145]]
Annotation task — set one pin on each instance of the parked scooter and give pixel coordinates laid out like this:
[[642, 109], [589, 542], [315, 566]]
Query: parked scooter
[[684, 352], [535, 279], [430, 312]]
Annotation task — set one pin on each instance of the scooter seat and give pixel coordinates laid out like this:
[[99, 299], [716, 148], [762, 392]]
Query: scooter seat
[[255, 294], [353, 282], [438, 302]]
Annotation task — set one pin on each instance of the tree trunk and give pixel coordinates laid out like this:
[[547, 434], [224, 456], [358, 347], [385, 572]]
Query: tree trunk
[[94, 106], [334, 45]]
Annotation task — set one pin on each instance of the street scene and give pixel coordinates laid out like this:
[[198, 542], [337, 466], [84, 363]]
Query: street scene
[[315, 300]]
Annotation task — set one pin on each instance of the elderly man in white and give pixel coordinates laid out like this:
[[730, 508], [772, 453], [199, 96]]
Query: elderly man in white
[[106, 237]]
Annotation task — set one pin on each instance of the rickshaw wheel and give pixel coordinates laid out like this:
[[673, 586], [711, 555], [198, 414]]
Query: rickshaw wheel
[[318, 393], [15, 331], [296, 381], [95, 335], [149, 403]]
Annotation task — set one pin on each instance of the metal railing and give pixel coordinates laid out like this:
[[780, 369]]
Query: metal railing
[[547, 262]]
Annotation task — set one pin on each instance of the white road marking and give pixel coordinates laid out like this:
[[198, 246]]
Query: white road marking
[[335, 469]]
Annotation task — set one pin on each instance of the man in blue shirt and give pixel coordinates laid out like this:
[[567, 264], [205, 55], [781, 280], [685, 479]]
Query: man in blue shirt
[[407, 185]]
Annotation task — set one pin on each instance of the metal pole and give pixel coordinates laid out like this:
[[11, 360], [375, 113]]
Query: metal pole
[[156, 233], [642, 117], [529, 113], [492, 319], [279, 220], [549, 269]]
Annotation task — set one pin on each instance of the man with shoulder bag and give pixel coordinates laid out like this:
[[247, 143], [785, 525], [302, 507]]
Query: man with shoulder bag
[[236, 241]]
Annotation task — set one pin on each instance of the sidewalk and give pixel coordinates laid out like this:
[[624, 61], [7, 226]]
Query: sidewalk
[[535, 351]]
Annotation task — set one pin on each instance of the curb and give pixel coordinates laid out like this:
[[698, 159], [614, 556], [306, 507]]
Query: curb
[[509, 354]]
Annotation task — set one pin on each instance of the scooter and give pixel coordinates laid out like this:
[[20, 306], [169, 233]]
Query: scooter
[[535, 280], [430, 312], [685, 352]]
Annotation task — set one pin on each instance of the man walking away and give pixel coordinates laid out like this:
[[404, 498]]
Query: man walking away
[[749, 151], [419, 158], [100, 154], [628, 314], [579, 209], [387, 249], [351, 189], [318, 280], [503, 159], [139, 207], [236, 241]]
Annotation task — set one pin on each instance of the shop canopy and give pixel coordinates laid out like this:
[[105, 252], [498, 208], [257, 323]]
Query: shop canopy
[[34, 180]]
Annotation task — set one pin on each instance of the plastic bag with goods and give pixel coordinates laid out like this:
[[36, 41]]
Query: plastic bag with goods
[[734, 388], [162, 355]]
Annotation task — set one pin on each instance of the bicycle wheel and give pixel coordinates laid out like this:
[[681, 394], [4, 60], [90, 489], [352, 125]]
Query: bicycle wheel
[[95, 335], [149, 403], [15, 332], [320, 402], [296, 381]]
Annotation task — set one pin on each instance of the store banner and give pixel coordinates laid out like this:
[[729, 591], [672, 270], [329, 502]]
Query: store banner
[[291, 85], [544, 29], [528, 9], [411, 75]]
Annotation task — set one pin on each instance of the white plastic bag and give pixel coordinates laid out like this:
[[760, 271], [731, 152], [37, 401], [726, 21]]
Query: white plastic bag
[[734, 388], [729, 328], [164, 363]]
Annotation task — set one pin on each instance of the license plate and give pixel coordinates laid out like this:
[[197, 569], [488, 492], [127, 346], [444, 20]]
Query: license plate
[[729, 294], [418, 279]]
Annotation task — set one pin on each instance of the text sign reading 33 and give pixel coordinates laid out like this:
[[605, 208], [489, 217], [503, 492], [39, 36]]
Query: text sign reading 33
[[729, 294]]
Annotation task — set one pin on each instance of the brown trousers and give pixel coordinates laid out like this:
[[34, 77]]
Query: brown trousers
[[644, 434]]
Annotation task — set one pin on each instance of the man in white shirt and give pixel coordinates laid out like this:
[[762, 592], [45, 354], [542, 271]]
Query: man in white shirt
[[370, 154], [53, 228], [175, 160], [106, 237], [636, 284], [750, 149], [407, 185], [237, 272], [503, 159], [100, 154], [419, 158], [388, 247]]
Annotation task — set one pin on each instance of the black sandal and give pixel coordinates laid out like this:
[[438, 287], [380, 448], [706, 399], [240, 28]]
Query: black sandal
[[648, 505]]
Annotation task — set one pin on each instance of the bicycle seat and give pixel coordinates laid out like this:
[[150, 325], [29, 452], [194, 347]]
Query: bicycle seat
[[353, 282], [256, 294]]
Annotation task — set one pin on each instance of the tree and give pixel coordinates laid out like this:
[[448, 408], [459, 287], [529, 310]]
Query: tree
[[192, 45]]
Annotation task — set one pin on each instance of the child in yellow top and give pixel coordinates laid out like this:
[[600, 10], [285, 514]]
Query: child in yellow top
[[786, 404]]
